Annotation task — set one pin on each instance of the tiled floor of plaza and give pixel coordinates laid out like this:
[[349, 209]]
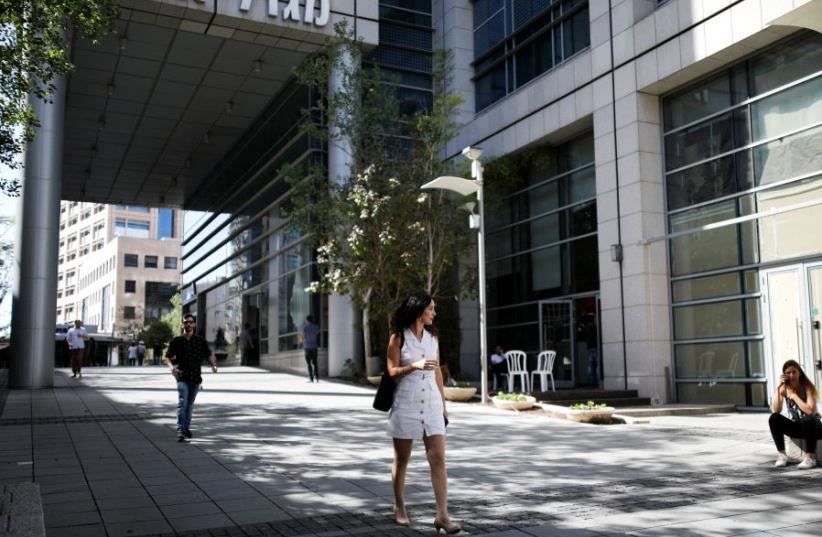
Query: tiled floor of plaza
[[275, 455]]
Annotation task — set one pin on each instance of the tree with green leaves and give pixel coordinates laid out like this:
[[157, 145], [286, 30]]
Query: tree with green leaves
[[34, 49], [377, 235]]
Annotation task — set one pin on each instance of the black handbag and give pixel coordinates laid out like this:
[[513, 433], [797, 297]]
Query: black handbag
[[385, 393]]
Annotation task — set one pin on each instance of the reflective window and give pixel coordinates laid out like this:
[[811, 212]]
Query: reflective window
[[130, 286], [165, 224], [131, 260], [150, 261], [517, 40], [755, 156]]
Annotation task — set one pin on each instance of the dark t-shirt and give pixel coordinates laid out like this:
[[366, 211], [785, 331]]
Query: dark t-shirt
[[310, 333], [188, 356]]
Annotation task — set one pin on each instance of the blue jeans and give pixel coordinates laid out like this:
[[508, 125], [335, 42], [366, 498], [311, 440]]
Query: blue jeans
[[593, 363], [186, 393]]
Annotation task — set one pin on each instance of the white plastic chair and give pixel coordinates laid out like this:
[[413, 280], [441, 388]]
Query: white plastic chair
[[516, 368], [545, 369]]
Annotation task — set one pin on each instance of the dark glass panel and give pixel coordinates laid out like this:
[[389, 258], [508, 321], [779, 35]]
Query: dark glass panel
[[786, 63], [697, 102], [699, 142], [701, 183], [490, 87], [584, 262]]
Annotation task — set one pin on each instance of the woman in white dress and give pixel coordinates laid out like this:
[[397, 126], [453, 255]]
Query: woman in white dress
[[418, 410]]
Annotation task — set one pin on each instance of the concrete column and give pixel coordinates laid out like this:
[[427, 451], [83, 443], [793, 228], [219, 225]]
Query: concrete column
[[344, 338], [35, 283], [454, 30], [639, 296]]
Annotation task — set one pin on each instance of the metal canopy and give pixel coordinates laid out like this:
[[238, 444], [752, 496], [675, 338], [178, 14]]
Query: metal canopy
[[152, 110]]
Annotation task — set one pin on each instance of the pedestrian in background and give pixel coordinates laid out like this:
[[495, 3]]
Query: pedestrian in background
[[247, 345], [184, 358], [798, 393], [132, 354], [418, 410], [308, 337], [499, 367], [141, 353], [76, 341]]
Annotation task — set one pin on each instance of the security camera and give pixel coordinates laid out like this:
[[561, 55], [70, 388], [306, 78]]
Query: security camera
[[472, 153]]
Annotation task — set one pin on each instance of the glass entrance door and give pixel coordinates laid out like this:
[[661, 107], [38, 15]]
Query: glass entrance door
[[556, 333], [792, 299]]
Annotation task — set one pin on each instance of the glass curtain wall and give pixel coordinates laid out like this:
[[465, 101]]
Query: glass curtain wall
[[541, 239], [517, 40], [239, 249], [744, 141]]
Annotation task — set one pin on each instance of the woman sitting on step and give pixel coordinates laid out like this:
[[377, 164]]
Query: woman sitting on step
[[799, 394]]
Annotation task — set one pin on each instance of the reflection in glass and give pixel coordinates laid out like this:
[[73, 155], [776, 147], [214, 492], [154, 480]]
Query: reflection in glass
[[717, 319]]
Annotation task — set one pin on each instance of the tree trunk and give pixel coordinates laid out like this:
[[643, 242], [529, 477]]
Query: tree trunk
[[372, 367]]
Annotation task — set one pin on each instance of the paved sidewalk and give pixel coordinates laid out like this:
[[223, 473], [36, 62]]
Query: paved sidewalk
[[274, 455]]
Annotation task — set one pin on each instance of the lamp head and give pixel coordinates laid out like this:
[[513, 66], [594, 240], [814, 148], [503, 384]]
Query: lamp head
[[472, 153]]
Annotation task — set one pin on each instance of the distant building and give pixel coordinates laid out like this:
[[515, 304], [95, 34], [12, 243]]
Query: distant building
[[118, 265]]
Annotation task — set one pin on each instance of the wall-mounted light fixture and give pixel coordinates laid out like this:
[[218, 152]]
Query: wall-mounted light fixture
[[123, 43], [229, 107], [616, 253], [110, 87], [101, 123], [258, 66]]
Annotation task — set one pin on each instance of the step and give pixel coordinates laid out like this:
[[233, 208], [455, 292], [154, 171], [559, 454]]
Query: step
[[616, 402], [584, 395], [677, 410]]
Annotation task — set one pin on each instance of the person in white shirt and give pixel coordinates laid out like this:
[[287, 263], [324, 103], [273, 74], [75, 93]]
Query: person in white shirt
[[499, 367], [132, 354], [76, 341]]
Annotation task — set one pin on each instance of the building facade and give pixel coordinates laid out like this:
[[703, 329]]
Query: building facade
[[118, 265], [649, 167], [652, 174]]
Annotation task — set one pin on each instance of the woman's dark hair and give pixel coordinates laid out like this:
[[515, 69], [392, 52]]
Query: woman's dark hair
[[409, 310], [804, 382]]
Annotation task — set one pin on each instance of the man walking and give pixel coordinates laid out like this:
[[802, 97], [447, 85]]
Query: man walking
[[141, 353], [184, 358], [247, 345], [308, 337], [76, 340]]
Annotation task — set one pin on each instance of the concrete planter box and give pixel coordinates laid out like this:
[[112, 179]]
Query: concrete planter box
[[453, 393], [504, 404], [597, 415]]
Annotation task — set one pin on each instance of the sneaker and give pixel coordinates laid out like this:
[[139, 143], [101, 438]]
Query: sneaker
[[187, 433], [806, 463], [781, 460], [181, 436], [74, 376]]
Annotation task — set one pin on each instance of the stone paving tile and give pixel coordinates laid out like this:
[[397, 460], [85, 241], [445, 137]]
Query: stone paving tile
[[128, 529], [87, 530]]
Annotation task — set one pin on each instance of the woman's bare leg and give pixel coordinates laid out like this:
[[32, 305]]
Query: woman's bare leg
[[402, 454], [435, 451]]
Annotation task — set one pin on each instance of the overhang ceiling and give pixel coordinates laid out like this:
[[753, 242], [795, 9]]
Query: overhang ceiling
[[151, 111]]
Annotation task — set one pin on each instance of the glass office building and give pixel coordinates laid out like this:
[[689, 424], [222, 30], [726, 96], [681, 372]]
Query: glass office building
[[653, 173]]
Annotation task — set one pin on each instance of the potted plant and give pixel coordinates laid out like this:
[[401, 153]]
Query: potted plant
[[590, 412], [459, 390], [513, 401]]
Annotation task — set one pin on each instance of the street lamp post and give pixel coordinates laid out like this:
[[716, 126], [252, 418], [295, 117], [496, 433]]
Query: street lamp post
[[465, 187]]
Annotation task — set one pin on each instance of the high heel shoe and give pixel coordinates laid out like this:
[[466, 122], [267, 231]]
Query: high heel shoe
[[401, 520], [449, 528]]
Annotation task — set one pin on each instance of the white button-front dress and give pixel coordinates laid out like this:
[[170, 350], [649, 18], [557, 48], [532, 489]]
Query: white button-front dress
[[418, 407]]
